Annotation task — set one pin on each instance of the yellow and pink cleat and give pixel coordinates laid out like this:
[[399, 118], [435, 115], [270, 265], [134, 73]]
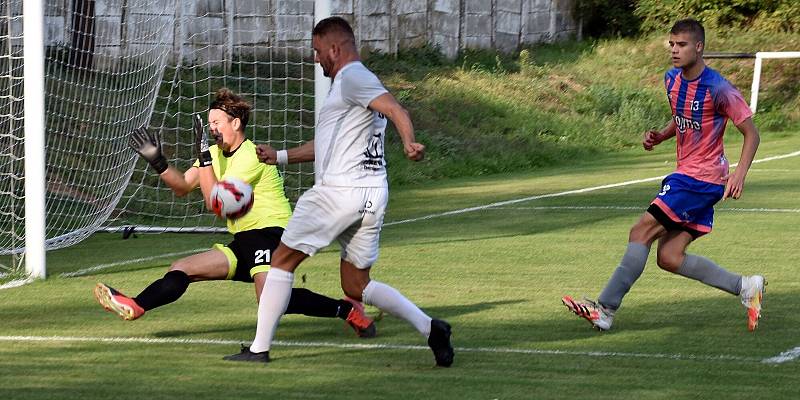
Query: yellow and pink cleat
[[117, 303], [597, 315]]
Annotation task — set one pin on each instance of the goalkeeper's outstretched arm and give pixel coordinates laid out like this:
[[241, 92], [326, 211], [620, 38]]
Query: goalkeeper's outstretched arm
[[181, 183], [148, 145]]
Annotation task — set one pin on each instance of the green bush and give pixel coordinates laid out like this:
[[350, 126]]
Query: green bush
[[625, 18], [766, 15]]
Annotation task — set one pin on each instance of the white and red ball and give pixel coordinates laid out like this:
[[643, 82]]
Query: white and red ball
[[231, 198]]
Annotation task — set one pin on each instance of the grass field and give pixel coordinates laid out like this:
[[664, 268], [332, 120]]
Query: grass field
[[495, 273]]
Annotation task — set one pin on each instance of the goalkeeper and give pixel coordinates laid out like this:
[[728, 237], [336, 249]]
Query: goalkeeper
[[255, 235]]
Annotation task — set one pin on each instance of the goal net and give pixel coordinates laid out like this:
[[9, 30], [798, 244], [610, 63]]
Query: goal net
[[100, 81], [11, 150], [261, 53], [113, 65]]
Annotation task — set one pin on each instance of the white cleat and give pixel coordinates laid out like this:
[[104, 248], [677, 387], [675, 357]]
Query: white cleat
[[752, 294]]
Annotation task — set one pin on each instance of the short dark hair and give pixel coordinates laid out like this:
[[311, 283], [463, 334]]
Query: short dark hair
[[333, 25], [692, 26], [233, 105]]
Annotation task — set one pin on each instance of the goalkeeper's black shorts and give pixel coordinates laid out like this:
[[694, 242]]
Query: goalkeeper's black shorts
[[250, 251]]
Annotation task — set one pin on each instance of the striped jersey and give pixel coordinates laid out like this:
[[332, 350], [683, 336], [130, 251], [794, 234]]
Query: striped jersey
[[701, 108], [270, 206]]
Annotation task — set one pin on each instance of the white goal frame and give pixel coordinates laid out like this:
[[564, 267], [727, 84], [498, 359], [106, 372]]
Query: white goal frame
[[760, 56], [34, 105], [759, 59]]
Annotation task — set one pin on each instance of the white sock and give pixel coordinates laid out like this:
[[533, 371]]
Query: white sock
[[390, 300], [274, 300]]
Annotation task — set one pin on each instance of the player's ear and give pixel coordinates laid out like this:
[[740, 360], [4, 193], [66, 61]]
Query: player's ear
[[236, 124], [699, 46], [334, 50]]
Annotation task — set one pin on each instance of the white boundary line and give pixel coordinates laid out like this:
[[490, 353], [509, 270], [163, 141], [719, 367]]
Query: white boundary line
[[101, 267], [560, 194], [380, 346], [786, 356], [626, 208]]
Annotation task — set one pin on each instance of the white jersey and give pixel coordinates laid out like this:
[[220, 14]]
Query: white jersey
[[349, 137]]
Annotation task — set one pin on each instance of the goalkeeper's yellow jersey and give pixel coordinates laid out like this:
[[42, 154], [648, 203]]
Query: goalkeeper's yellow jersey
[[270, 207]]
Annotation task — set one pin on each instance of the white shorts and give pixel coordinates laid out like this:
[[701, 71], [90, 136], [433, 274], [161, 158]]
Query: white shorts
[[353, 216]]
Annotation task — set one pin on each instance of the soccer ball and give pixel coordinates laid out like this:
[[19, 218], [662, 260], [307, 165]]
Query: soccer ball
[[231, 198]]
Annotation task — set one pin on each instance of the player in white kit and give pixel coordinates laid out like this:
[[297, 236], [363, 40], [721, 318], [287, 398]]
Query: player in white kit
[[348, 200]]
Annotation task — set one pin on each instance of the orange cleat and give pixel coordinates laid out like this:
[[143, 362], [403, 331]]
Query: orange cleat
[[358, 319], [117, 302]]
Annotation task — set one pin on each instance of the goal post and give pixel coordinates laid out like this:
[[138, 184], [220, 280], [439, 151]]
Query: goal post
[[33, 93], [760, 56]]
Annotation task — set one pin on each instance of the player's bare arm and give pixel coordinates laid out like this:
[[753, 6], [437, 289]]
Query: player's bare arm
[[299, 154], [735, 184], [387, 105], [181, 183], [653, 138]]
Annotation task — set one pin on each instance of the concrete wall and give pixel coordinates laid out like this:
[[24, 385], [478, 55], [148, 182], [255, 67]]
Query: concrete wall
[[453, 25], [210, 30]]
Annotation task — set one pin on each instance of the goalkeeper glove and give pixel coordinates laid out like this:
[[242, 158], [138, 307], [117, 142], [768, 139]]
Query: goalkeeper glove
[[201, 142], [148, 145]]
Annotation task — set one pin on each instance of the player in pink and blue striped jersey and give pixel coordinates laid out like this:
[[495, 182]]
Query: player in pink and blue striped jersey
[[702, 102]]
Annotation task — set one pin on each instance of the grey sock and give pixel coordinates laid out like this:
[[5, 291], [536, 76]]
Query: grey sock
[[706, 271], [628, 271]]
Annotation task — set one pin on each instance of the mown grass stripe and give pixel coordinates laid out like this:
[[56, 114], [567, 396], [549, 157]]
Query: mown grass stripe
[[101, 267], [642, 208], [564, 193], [383, 346]]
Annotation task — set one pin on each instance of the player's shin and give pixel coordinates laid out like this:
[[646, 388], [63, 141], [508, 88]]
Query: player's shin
[[163, 291], [626, 274], [388, 299], [706, 271], [306, 302], [274, 301]]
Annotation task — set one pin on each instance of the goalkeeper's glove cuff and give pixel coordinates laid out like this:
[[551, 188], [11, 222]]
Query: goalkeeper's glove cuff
[[159, 164], [205, 159]]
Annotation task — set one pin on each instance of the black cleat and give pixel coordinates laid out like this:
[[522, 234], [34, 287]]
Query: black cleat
[[247, 355], [439, 342]]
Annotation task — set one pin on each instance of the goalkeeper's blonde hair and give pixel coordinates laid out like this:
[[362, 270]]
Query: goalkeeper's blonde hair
[[233, 105]]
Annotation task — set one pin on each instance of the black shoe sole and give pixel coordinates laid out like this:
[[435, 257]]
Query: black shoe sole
[[439, 342], [247, 356], [368, 333]]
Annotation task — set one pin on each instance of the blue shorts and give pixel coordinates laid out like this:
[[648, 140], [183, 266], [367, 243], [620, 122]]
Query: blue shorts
[[686, 203]]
